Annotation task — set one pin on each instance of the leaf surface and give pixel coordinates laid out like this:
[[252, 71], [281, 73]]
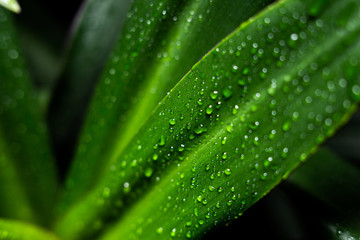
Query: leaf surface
[[15, 230], [156, 49], [24, 143], [94, 33], [238, 123]]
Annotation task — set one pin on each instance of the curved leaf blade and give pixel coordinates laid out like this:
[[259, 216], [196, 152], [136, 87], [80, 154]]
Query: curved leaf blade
[[156, 50], [230, 130], [93, 36]]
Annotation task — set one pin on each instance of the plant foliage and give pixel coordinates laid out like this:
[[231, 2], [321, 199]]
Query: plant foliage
[[178, 116]]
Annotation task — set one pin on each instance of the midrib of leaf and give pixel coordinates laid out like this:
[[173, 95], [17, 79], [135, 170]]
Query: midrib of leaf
[[109, 195], [156, 76]]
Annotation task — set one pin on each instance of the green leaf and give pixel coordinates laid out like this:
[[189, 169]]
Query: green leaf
[[24, 144], [159, 44], [93, 36], [336, 184], [15, 230], [239, 122], [12, 5]]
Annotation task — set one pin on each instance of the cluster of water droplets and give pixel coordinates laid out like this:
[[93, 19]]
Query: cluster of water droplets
[[239, 122]]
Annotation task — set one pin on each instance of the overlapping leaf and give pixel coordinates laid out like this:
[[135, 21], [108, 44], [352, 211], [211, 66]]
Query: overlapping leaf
[[156, 49], [92, 38], [238, 123]]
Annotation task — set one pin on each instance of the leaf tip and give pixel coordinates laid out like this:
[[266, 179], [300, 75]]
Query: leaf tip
[[11, 5]]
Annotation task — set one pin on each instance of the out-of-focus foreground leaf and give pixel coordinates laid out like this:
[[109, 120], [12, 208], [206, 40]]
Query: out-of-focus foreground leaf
[[238, 123], [335, 183], [160, 42], [11, 5], [15, 230], [93, 36], [24, 144]]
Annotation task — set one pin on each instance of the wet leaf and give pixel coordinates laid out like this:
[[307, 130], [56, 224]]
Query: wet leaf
[[160, 42], [279, 85]]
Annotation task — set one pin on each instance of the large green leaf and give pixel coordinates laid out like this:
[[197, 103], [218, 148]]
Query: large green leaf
[[24, 144], [238, 123], [14, 230], [336, 184], [92, 38], [156, 49]]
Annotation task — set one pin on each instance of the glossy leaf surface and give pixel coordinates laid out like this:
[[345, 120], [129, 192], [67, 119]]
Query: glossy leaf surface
[[238, 123], [156, 49]]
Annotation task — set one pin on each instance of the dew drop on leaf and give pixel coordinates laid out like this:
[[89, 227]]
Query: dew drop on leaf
[[227, 171], [172, 121]]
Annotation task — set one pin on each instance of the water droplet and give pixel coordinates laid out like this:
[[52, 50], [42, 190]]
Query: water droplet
[[181, 147], [148, 172], [286, 126], [172, 121], [227, 171], [227, 92], [235, 68], [199, 129], [214, 94], [127, 187], [159, 230], [162, 140], [209, 110], [355, 90], [235, 109], [173, 232]]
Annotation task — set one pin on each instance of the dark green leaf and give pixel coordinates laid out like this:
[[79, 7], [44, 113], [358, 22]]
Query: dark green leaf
[[24, 144], [239, 122], [94, 34], [159, 44]]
